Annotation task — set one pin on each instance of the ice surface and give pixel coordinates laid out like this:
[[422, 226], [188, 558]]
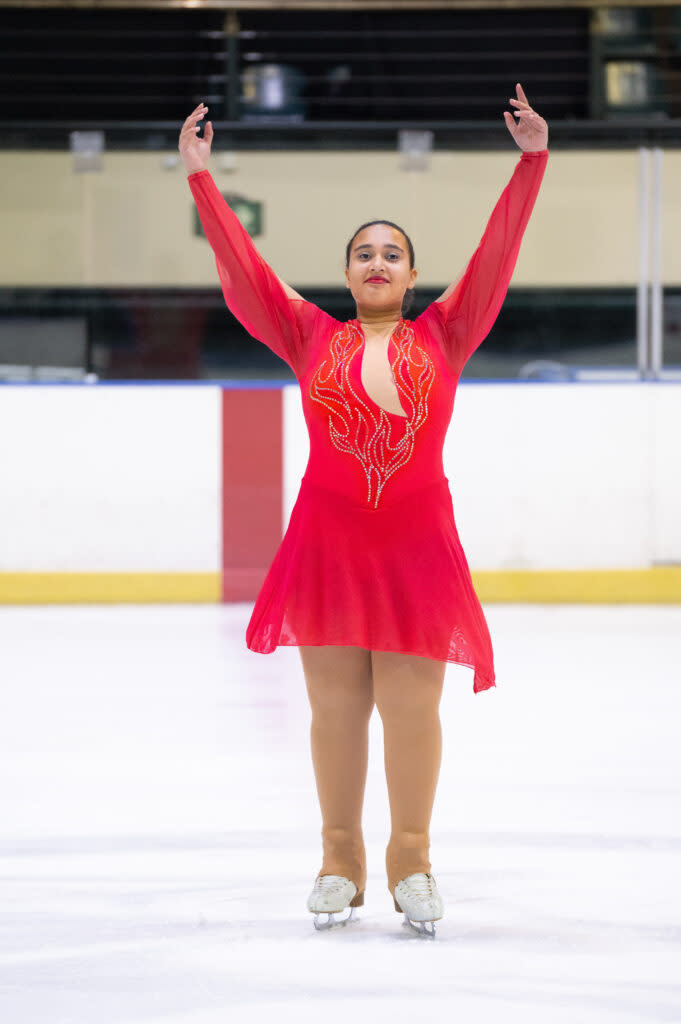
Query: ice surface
[[159, 828]]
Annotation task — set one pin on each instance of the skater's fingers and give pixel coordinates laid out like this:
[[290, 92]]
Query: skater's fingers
[[192, 123], [190, 126], [197, 113]]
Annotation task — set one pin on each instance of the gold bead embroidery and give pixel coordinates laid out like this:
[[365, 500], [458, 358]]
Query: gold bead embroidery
[[366, 431]]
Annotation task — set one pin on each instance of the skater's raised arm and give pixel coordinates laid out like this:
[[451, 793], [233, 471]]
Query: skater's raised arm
[[269, 309], [466, 311]]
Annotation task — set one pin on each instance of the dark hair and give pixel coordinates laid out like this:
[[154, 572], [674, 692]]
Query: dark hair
[[409, 294]]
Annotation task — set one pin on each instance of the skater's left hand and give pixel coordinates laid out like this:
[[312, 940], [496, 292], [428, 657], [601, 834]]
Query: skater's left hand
[[531, 131]]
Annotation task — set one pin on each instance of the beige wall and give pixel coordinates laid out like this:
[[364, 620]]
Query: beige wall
[[131, 224]]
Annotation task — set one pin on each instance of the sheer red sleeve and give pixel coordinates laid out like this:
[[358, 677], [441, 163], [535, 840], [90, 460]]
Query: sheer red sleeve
[[252, 290], [465, 317]]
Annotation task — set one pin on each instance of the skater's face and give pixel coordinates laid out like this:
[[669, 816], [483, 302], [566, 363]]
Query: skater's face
[[381, 252]]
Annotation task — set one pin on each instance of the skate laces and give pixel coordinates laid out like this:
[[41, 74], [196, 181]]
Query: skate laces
[[422, 884], [330, 884]]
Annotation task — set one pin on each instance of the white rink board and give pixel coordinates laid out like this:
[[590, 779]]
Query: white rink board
[[552, 476], [127, 478], [110, 478]]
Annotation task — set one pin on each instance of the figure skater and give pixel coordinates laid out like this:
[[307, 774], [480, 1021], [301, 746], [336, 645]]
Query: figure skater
[[370, 581]]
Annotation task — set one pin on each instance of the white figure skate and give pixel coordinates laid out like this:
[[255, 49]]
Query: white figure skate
[[416, 896], [331, 895]]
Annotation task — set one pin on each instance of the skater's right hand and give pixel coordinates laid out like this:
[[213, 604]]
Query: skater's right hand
[[193, 150]]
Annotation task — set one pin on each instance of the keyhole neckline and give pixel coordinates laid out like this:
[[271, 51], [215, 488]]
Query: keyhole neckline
[[388, 412]]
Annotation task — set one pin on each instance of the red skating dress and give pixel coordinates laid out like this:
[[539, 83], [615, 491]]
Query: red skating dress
[[371, 556]]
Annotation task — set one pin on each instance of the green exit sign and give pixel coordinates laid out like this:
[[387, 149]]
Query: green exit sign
[[249, 212]]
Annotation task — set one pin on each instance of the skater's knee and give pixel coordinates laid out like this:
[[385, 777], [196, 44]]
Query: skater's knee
[[410, 706], [340, 706], [340, 696]]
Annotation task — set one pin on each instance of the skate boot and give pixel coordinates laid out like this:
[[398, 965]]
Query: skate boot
[[416, 896], [331, 895]]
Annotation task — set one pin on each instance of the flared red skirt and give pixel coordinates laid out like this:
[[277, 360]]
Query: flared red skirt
[[387, 579]]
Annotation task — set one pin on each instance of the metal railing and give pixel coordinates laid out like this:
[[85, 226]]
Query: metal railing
[[337, 73]]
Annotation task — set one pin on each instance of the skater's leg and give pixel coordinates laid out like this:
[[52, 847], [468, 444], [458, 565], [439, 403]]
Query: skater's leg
[[407, 691], [340, 690]]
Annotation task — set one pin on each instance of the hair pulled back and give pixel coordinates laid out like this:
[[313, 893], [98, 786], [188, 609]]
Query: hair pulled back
[[409, 293]]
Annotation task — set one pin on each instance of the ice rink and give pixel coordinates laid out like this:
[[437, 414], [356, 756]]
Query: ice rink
[[160, 830]]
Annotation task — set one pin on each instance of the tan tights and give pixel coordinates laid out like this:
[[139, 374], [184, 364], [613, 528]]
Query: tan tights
[[343, 683]]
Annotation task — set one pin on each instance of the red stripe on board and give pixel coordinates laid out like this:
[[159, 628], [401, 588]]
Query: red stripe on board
[[252, 488]]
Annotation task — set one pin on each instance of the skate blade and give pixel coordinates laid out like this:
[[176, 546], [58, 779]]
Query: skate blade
[[420, 927], [332, 919]]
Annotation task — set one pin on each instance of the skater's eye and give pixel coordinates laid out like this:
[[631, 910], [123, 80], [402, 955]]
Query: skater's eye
[[395, 254]]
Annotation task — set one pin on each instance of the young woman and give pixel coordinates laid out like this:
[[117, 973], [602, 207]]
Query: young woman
[[370, 580]]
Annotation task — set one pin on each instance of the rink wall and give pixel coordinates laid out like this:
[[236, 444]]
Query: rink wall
[[132, 224], [182, 491]]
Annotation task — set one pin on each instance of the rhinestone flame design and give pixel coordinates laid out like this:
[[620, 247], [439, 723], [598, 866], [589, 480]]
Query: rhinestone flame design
[[364, 430]]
